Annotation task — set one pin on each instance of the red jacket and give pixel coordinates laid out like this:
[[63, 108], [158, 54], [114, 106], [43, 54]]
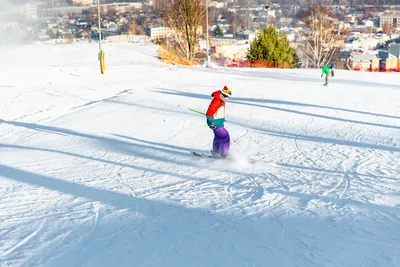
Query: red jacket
[[216, 110]]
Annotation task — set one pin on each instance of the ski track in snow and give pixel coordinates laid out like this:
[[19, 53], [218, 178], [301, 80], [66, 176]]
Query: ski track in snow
[[23, 241], [97, 169]]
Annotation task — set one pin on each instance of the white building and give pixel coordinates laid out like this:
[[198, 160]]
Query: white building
[[29, 10], [159, 31], [128, 38], [247, 35], [217, 4], [271, 13], [61, 11], [233, 51], [392, 20], [368, 23], [82, 2], [228, 47], [10, 25]]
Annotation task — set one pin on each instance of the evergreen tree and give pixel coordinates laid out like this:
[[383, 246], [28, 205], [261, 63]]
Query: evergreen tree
[[218, 31], [296, 61], [271, 45]]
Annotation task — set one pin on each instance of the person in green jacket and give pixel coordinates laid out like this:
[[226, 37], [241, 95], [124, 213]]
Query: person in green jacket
[[325, 70]]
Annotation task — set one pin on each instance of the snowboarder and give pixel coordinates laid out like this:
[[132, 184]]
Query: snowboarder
[[325, 70], [215, 120], [332, 67]]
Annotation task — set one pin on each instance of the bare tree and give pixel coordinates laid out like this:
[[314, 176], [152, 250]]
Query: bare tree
[[112, 11], [321, 39], [160, 5], [234, 21], [69, 38], [386, 28], [132, 28], [185, 18], [129, 28]]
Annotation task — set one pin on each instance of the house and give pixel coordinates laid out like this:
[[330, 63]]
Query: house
[[226, 41], [61, 11], [368, 23], [127, 38], [393, 20], [136, 5], [388, 62], [247, 35], [82, 2], [344, 55], [394, 50], [286, 21], [217, 4], [11, 25], [351, 18], [227, 47], [161, 31], [82, 22], [232, 51], [368, 62]]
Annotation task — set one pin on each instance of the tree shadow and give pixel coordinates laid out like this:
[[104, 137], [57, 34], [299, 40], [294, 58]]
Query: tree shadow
[[172, 234], [282, 102], [279, 102], [110, 142], [304, 198], [153, 144], [110, 162], [153, 108], [287, 75], [296, 136], [319, 116], [116, 99], [241, 101], [314, 169], [328, 140], [169, 154]]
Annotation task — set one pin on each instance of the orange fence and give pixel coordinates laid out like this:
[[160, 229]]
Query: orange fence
[[252, 64]]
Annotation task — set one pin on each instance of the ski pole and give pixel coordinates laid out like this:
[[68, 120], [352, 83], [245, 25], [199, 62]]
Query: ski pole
[[196, 111], [193, 110]]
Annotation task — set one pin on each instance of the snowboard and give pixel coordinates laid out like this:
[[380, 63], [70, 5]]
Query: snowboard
[[203, 155]]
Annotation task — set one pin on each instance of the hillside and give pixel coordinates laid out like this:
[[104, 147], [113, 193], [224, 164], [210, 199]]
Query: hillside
[[95, 170]]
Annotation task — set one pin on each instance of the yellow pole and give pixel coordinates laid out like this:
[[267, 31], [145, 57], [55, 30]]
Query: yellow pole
[[102, 67], [101, 53]]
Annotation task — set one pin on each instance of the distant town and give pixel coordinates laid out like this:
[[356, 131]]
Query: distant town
[[369, 33]]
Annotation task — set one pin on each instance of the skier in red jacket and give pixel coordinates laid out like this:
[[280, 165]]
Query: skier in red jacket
[[215, 120]]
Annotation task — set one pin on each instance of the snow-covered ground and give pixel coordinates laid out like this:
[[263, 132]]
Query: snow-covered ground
[[95, 170]]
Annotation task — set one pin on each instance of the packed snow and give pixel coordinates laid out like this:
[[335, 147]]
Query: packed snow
[[96, 170]]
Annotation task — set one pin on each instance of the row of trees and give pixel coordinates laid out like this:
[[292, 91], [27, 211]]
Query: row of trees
[[317, 44]]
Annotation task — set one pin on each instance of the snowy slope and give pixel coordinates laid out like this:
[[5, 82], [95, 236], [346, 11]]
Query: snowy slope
[[95, 170]]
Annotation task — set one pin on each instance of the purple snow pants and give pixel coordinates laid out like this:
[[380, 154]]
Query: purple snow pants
[[221, 142]]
